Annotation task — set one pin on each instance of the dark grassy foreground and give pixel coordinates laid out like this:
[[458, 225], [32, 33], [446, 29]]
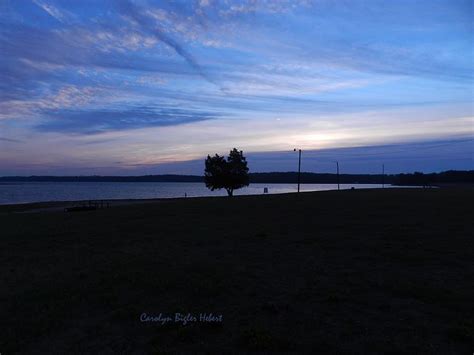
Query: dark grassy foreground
[[331, 272]]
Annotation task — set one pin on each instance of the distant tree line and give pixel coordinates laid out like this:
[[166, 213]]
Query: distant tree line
[[97, 178], [445, 177], [314, 178], [417, 178]]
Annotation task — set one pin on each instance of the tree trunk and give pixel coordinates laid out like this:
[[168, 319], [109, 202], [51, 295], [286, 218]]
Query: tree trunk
[[230, 192]]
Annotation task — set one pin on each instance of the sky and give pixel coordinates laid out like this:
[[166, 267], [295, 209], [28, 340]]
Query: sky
[[148, 87]]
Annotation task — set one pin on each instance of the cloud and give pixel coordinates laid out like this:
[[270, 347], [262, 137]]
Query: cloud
[[67, 96], [390, 60], [246, 7], [9, 140], [423, 155], [105, 120], [140, 39], [146, 23], [286, 70]]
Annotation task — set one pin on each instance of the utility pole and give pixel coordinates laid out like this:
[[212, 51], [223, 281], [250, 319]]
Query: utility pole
[[299, 167], [337, 164], [383, 176]]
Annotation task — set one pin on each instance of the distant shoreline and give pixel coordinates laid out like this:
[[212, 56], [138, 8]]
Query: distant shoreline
[[417, 178]]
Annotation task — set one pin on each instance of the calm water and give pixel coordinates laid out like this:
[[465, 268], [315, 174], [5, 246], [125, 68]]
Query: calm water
[[22, 192]]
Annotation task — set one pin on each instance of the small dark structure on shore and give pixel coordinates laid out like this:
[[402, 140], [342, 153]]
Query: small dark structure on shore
[[90, 206]]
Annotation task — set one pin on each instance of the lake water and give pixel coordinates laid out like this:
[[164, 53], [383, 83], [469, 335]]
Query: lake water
[[23, 192]]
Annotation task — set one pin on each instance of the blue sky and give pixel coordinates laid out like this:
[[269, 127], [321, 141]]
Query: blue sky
[[137, 87]]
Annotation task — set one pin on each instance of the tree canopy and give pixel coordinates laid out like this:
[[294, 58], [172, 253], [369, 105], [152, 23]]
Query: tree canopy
[[230, 174]]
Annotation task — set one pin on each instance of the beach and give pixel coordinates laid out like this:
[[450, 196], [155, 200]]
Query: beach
[[353, 271]]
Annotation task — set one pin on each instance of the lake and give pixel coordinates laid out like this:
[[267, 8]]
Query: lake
[[24, 192]]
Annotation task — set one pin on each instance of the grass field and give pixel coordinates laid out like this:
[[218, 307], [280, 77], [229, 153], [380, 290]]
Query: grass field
[[363, 271]]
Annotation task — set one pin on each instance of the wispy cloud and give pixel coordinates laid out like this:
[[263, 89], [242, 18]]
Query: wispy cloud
[[146, 23], [51, 10]]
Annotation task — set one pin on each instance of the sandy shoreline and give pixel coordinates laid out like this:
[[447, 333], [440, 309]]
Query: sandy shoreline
[[60, 205]]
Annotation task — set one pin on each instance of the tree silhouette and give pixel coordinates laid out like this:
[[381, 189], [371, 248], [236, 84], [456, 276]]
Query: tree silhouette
[[230, 174]]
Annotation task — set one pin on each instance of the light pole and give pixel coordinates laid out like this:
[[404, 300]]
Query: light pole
[[299, 167], [337, 165]]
